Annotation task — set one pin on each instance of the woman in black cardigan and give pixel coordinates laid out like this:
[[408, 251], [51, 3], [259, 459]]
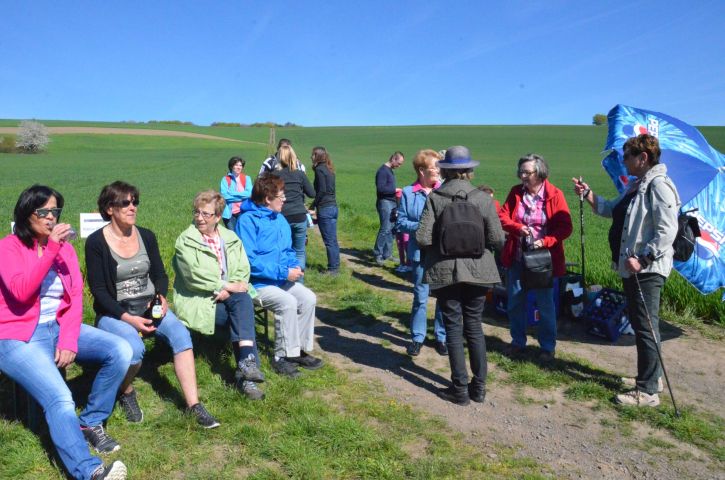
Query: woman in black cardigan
[[326, 205], [126, 275]]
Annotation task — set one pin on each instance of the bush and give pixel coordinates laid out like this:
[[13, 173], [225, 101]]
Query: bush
[[599, 119], [169, 122], [7, 144], [32, 137], [227, 124]]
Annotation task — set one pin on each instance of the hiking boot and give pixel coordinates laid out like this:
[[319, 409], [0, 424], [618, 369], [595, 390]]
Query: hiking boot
[[203, 417], [441, 348], [100, 440], [638, 399], [451, 395], [114, 471], [477, 393], [414, 348], [514, 351], [546, 357], [130, 407], [631, 382], [249, 370], [250, 389], [283, 367], [305, 360]]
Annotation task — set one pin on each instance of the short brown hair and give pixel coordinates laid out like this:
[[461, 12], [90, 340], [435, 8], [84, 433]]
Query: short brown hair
[[644, 143], [112, 194], [208, 197], [266, 186], [423, 157]]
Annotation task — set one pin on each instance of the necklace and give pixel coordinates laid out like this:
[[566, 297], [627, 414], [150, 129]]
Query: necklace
[[123, 239]]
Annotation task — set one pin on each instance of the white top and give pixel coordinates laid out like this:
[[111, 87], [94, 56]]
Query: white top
[[51, 293]]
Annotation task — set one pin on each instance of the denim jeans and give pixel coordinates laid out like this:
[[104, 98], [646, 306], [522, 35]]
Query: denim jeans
[[170, 330], [648, 362], [516, 310], [384, 241], [32, 366], [231, 222], [327, 222], [419, 311], [237, 311], [299, 240], [461, 308]]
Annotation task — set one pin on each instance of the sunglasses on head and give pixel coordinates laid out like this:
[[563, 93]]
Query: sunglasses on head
[[44, 212], [127, 202]]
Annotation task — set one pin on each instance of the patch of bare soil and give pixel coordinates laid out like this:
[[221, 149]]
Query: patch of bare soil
[[570, 439], [128, 131]]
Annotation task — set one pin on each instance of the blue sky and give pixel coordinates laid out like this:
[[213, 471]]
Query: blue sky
[[361, 63]]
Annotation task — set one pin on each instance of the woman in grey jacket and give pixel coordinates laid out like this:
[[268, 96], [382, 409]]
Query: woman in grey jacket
[[644, 225], [459, 282]]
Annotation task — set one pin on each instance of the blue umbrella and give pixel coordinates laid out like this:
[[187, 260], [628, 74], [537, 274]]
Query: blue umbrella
[[698, 171]]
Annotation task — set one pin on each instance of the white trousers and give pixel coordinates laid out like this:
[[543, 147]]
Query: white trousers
[[293, 306]]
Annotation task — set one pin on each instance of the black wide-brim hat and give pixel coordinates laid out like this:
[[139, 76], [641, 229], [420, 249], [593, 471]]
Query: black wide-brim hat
[[458, 157]]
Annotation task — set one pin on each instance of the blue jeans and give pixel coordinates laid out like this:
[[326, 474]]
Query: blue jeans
[[516, 310], [384, 241], [170, 330], [32, 366], [231, 222], [237, 311], [419, 312], [327, 222], [299, 239]]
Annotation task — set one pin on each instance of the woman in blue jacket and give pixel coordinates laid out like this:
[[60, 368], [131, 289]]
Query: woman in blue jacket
[[409, 213], [235, 187], [276, 275]]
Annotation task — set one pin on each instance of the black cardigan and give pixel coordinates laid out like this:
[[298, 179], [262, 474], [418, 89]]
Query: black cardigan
[[101, 270], [324, 187]]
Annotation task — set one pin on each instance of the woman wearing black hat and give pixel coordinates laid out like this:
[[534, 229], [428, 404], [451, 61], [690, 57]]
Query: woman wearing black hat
[[459, 266]]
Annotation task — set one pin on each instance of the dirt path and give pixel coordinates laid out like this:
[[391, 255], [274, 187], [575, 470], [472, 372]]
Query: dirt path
[[570, 439], [128, 131]]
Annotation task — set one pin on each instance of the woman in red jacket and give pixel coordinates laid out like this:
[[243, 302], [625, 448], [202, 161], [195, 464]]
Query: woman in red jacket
[[535, 212]]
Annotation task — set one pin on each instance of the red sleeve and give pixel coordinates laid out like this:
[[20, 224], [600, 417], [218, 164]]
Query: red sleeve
[[506, 214], [558, 225]]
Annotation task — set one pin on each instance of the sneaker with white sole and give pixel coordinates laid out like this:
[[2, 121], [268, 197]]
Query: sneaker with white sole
[[631, 382], [115, 471], [203, 417], [638, 398], [100, 440]]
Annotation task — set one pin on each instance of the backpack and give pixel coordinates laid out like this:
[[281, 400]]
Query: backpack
[[687, 232], [460, 229]]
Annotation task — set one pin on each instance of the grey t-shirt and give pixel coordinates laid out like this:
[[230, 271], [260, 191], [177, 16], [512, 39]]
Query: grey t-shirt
[[134, 288]]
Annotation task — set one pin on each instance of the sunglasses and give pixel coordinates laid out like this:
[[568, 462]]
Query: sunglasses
[[127, 202], [44, 212]]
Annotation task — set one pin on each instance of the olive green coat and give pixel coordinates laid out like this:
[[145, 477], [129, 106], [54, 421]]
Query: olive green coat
[[198, 276], [441, 271]]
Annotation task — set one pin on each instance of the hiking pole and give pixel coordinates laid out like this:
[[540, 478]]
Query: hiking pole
[[581, 237], [657, 344]]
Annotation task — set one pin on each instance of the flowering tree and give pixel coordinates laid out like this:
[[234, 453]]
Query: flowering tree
[[32, 137]]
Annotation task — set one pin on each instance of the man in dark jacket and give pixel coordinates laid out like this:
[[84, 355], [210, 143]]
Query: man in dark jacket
[[385, 187]]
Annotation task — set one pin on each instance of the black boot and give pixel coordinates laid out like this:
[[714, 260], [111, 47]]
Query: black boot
[[452, 395], [477, 393]]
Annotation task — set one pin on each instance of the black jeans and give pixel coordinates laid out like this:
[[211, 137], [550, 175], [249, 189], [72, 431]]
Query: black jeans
[[648, 362], [461, 308]]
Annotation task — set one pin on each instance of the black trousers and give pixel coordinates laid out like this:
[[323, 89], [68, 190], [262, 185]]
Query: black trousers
[[461, 308], [648, 363]]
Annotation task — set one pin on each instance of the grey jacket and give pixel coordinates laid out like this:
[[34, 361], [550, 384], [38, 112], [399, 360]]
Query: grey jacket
[[650, 225], [442, 271]]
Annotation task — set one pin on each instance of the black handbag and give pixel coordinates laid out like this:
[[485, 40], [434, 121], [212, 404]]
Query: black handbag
[[537, 270]]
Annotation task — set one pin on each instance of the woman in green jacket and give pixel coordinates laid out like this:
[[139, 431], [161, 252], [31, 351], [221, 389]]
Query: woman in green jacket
[[212, 286]]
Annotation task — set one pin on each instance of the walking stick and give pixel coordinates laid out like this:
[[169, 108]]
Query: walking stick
[[657, 344], [581, 238]]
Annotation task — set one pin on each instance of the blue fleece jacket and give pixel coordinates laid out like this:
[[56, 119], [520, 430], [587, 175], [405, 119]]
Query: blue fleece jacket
[[267, 239]]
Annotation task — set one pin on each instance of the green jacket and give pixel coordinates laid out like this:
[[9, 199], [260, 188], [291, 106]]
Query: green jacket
[[443, 271], [198, 276]]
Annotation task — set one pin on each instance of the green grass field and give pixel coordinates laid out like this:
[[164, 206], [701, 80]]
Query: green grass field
[[324, 426]]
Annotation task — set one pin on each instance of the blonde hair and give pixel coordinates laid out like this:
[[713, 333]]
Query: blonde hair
[[210, 197], [424, 158], [287, 157]]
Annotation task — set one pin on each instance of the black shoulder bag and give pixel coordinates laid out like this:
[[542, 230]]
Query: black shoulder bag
[[537, 270]]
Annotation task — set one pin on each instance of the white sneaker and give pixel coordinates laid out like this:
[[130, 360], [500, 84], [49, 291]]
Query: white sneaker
[[638, 399], [631, 382]]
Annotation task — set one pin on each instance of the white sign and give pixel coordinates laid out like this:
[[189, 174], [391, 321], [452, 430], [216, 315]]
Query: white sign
[[90, 222]]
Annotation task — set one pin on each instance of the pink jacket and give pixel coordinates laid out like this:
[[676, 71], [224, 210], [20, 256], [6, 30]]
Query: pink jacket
[[22, 273]]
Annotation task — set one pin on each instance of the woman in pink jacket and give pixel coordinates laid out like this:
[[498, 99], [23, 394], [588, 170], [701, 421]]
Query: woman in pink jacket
[[41, 330]]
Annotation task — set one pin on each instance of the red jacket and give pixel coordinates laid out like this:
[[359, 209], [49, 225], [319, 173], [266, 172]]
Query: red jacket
[[22, 273], [558, 225]]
